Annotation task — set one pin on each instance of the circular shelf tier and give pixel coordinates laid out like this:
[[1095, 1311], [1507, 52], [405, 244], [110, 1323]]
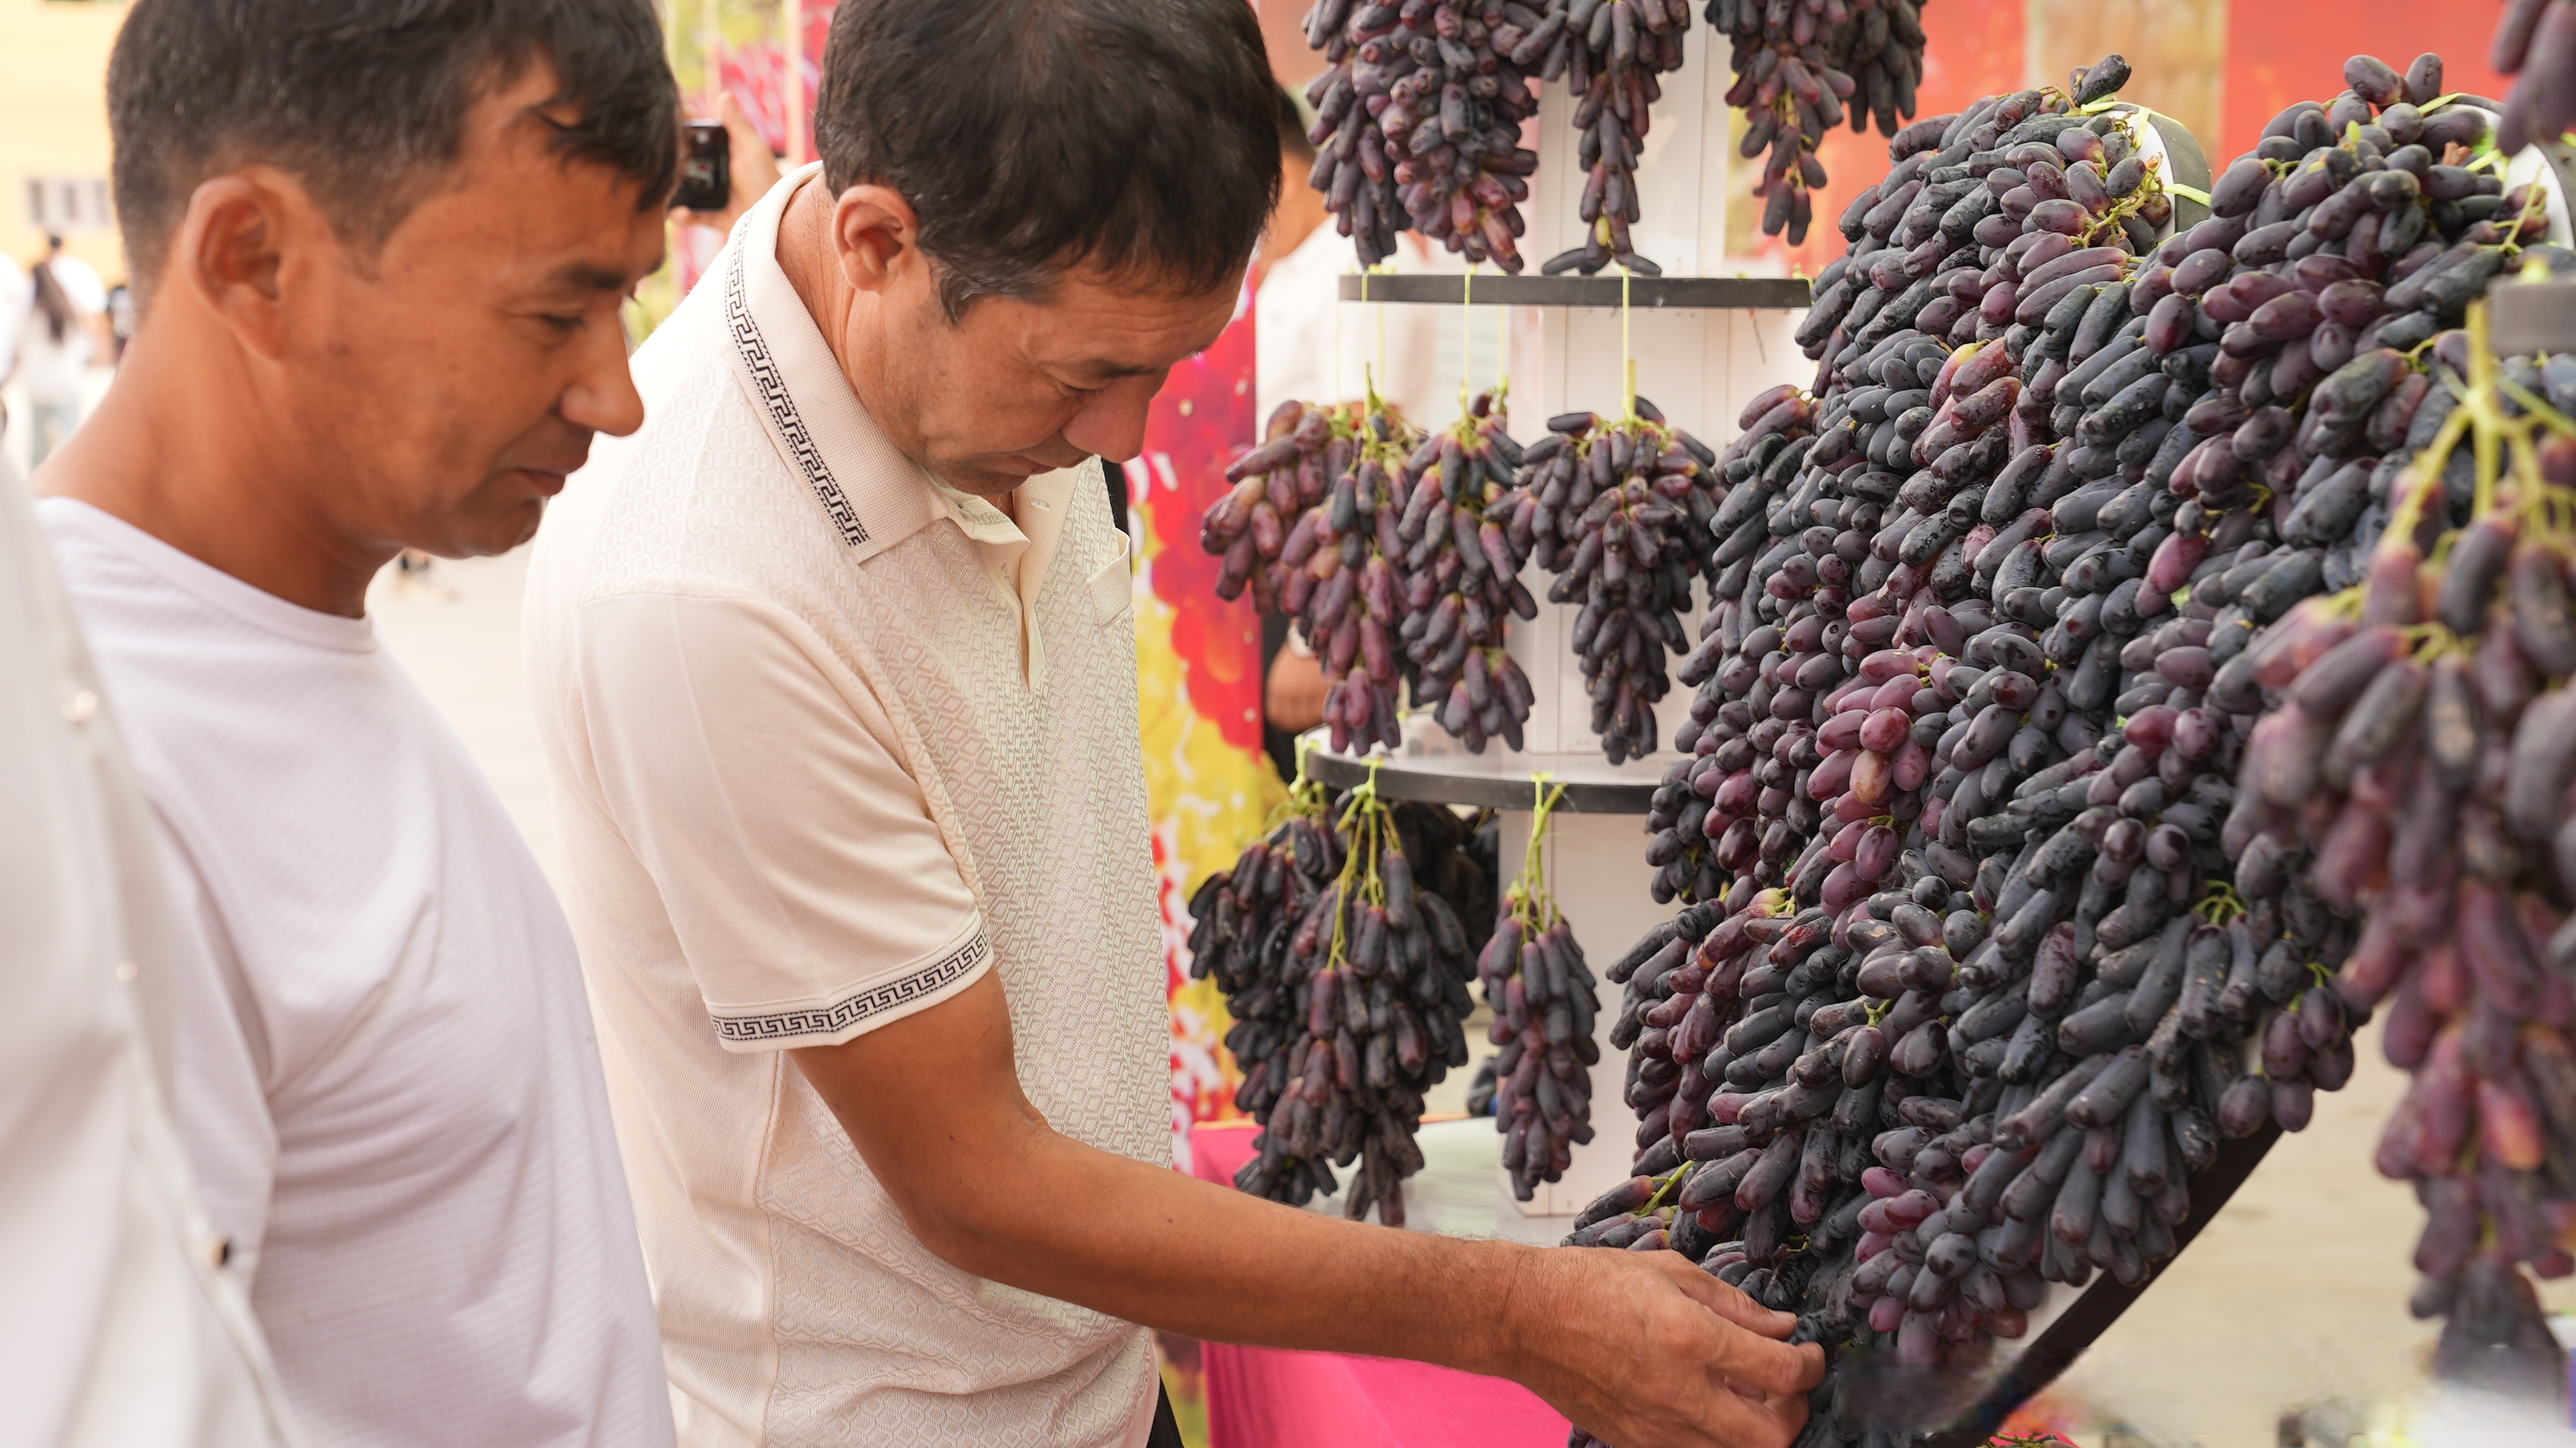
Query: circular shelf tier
[[1434, 768], [1452, 288]]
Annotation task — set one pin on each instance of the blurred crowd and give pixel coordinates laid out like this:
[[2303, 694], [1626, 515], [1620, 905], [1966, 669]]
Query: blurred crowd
[[57, 320]]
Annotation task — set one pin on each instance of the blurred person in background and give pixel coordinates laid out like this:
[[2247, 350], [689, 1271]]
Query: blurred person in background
[[1311, 346], [55, 344], [1292, 349], [381, 253], [752, 168], [80, 281]]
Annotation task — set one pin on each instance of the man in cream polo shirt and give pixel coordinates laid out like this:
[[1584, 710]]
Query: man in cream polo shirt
[[838, 689]]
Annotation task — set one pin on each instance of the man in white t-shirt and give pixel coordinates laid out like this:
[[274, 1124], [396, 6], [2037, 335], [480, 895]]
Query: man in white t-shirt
[[381, 258], [837, 682]]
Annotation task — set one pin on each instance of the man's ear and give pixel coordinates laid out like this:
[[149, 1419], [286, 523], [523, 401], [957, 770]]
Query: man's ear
[[242, 247], [875, 236]]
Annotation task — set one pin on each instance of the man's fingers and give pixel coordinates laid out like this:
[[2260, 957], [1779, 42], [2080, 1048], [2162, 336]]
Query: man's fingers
[[1734, 1421], [1774, 1367], [1730, 1302]]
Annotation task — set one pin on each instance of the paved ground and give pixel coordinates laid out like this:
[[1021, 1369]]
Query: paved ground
[[2294, 1297]]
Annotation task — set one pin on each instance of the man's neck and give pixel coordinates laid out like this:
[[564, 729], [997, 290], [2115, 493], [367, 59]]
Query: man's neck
[[805, 253], [177, 450]]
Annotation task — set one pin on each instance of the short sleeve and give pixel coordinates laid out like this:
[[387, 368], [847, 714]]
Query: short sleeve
[[810, 892]]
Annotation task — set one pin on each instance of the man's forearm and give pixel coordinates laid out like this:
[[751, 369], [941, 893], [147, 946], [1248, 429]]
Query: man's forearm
[[1643, 1347], [1170, 1251]]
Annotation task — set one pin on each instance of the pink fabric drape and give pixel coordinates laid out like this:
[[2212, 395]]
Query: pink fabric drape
[[1266, 1398]]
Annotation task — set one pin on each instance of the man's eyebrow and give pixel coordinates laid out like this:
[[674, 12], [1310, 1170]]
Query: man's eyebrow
[[1112, 371], [589, 276]]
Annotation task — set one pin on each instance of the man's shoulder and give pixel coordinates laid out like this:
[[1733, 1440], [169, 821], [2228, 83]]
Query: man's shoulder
[[699, 501]]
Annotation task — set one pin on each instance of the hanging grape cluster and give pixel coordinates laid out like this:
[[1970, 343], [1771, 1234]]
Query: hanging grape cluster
[[2535, 42], [1544, 1002], [1898, 1082], [2434, 697], [1331, 470], [1614, 52], [1617, 509], [1800, 66], [1462, 579], [1418, 120], [1388, 548], [1339, 941]]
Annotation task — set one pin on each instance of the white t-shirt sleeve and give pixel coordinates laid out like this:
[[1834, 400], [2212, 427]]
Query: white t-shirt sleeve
[[755, 778], [219, 1071]]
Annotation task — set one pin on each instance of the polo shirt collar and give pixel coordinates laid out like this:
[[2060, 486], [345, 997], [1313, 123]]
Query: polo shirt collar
[[872, 495]]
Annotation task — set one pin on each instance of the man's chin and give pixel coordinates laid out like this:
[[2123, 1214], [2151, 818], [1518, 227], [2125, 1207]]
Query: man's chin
[[491, 535], [989, 477]]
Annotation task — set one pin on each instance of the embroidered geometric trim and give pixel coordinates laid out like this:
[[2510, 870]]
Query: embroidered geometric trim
[[848, 1011], [781, 406]]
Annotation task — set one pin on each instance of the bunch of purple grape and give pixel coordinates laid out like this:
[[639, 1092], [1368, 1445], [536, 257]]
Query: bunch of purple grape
[[1460, 579], [1543, 998], [1617, 510], [2413, 760], [2535, 42], [1338, 473], [1418, 120], [1344, 959], [1387, 546], [1798, 65], [1614, 50]]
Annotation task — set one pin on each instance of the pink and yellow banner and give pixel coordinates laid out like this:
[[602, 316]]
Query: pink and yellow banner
[[1208, 785]]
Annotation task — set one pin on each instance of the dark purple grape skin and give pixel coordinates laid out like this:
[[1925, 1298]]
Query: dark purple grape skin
[[2353, 303], [2169, 325]]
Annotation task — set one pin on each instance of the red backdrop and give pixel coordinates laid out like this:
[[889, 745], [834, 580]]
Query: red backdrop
[[2277, 51]]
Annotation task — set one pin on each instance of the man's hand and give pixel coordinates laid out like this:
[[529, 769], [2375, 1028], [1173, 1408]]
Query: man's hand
[[749, 164], [1644, 1350], [1292, 699], [1641, 1348]]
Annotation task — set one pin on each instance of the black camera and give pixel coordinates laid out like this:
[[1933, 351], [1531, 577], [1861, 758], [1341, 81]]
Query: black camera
[[706, 168]]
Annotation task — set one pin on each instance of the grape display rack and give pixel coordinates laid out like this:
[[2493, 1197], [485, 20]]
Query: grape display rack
[[1702, 345]]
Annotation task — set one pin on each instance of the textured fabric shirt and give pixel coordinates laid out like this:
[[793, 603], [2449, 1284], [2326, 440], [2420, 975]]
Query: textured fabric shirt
[[384, 1071], [830, 741]]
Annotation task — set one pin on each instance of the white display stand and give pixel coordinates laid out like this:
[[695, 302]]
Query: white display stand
[[1698, 362]]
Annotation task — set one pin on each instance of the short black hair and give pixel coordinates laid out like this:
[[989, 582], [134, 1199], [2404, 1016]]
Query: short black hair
[[364, 101], [1139, 137]]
